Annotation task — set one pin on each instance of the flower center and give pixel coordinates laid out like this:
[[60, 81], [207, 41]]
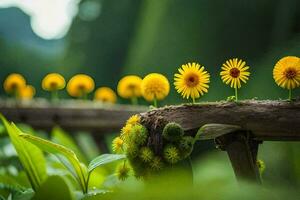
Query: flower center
[[14, 86], [192, 80], [290, 73], [53, 85], [234, 72]]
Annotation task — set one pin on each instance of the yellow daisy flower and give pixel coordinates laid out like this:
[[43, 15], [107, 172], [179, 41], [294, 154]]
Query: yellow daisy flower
[[53, 82], [234, 72], [129, 87], [117, 145], [80, 85], [105, 94], [155, 87], [192, 81], [27, 92], [286, 73], [134, 119], [13, 83]]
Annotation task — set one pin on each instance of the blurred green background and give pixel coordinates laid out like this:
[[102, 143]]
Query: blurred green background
[[111, 38]]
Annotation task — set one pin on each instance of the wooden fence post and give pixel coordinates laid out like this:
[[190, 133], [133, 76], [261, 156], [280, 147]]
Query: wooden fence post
[[242, 152]]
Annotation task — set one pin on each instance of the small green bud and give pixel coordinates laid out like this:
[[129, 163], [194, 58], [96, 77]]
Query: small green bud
[[261, 166], [122, 171], [131, 150], [138, 134], [138, 167], [173, 132], [146, 154], [171, 154], [156, 164], [186, 145]]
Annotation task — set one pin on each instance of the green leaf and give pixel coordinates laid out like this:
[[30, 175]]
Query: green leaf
[[31, 157], [61, 137], [55, 188], [212, 131], [59, 150], [24, 195], [103, 160]]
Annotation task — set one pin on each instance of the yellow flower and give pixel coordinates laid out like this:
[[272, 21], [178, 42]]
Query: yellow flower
[[192, 80], [53, 82], [27, 92], [13, 83], [125, 131], [287, 72], [234, 72], [105, 94], [129, 87], [134, 119], [117, 145], [155, 87], [80, 85]]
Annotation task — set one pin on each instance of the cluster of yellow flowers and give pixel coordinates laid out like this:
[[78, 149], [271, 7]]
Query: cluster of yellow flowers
[[191, 81], [15, 84]]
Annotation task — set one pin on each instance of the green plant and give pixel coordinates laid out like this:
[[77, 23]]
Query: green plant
[[29, 149]]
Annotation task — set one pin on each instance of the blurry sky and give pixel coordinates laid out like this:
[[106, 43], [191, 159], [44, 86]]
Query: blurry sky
[[110, 38]]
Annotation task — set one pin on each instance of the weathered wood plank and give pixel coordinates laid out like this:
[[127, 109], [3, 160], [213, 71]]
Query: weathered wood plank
[[71, 115], [267, 120]]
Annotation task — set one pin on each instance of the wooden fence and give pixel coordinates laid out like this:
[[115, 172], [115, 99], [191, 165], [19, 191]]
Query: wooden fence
[[237, 128]]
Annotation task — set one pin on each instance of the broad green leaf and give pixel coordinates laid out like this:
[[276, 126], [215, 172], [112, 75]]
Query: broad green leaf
[[10, 181], [212, 131], [103, 160], [24, 195], [55, 188], [30, 156], [61, 137], [60, 150]]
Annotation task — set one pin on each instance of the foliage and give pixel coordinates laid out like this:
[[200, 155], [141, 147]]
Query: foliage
[[28, 147]]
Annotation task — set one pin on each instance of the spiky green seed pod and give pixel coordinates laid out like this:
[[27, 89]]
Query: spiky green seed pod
[[185, 146], [138, 134], [173, 132], [122, 171], [156, 164], [132, 150], [171, 154], [138, 167], [146, 154], [261, 166]]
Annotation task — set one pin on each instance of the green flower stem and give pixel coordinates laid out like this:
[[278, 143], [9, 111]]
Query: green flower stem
[[290, 94], [134, 101], [155, 102], [194, 101], [54, 95], [17, 94], [236, 94]]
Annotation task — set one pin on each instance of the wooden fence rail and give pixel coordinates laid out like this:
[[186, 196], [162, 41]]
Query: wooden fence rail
[[238, 128], [70, 115]]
